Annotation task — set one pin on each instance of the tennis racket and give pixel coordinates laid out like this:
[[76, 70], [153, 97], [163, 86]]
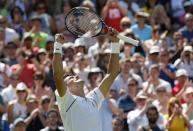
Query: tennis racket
[[83, 22]]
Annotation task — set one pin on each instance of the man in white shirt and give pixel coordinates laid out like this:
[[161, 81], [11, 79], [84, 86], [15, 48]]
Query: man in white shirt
[[137, 117], [80, 112]]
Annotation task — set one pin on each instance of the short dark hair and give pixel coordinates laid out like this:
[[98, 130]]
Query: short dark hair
[[52, 111], [152, 108]]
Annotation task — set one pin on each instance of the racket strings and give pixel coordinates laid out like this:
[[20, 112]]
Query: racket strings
[[85, 22]]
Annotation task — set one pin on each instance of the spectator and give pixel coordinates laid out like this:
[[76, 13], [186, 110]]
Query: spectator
[[128, 49], [52, 120], [159, 17], [9, 93], [60, 23], [117, 124], [25, 67], [155, 40], [120, 83], [19, 125], [17, 18], [160, 99], [186, 61], [125, 23], [167, 70], [17, 108], [108, 109], [35, 119], [39, 37], [141, 29], [40, 89], [187, 30], [47, 23], [152, 116], [138, 117], [154, 82], [95, 76], [112, 14], [127, 102], [10, 53], [176, 120], [8, 34], [188, 106]]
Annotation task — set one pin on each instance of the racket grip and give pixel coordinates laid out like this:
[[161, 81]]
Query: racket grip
[[128, 40]]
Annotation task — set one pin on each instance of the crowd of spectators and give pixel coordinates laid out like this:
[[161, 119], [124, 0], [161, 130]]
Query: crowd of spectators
[[153, 90]]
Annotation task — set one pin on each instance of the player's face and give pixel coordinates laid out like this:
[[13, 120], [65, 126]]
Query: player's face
[[74, 83]]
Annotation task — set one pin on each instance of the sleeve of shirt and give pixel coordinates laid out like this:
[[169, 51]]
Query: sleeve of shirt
[[65, 101], [96, 96], [133, 118]]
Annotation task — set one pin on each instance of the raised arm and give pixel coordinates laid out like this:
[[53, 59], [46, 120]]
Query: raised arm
[[57, 65], [113, 67]]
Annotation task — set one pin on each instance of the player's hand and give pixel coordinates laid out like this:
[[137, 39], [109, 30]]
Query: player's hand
[[113, 34], [60, 38]]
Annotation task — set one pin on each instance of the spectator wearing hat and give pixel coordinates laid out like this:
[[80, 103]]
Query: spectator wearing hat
[[53, 120], [125, 23], [188, 6], [112, 13], [127, 102], [17, 107], [80, 46], [94, 77], [19, 125], [186, 61], [10, 53], [137, 117], [120, 83], [182, 82], [69, 54], [35, 119], [187, 30], [140, 29]]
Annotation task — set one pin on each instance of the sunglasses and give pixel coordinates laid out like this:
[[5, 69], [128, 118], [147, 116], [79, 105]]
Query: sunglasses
[[132, 84]]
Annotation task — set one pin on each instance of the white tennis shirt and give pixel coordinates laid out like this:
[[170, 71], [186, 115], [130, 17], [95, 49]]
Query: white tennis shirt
[[78, 113]]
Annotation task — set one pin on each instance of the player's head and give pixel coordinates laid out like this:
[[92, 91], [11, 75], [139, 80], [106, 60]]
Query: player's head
[[74, 84]]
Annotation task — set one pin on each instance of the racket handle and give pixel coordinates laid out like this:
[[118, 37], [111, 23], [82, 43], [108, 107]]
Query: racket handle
[[128, 40]]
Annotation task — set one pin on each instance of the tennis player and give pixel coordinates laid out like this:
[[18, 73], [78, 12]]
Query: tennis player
[[80, 112]]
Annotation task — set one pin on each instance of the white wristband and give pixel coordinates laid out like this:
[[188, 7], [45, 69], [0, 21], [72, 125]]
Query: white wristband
[[58, 48], [115, 48]]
